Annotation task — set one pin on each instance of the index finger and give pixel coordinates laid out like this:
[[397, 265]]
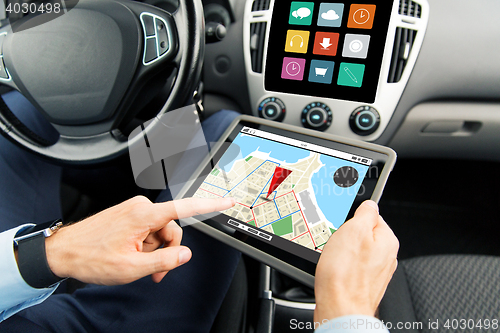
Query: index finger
[[180, 209]]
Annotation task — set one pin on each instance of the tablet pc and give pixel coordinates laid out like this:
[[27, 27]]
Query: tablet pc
[[293, 188]]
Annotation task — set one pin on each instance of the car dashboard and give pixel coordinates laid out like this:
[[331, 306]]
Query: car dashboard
[[437, 105], [435, 101], [436, 95], [344, 117]]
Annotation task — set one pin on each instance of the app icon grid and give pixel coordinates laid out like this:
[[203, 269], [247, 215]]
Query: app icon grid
[[354, 45]]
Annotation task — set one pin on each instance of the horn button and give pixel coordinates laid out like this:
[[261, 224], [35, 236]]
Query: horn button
[[76, 68]]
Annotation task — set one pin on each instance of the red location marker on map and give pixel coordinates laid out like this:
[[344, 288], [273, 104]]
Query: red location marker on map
[[279, 176]]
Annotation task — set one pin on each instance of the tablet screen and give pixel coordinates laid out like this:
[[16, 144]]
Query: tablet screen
[[292, 191], [326, 49]]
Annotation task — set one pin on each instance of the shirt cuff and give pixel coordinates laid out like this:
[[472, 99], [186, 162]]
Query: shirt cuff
[[15, 293], [353, 324]]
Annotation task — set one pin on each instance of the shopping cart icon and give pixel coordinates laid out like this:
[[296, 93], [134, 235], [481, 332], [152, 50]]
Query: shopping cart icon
[[321, 71]]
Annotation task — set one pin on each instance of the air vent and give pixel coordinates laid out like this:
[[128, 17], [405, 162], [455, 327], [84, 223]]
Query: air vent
[[260, 5], [410, 8], [257, 39], [403, 44]]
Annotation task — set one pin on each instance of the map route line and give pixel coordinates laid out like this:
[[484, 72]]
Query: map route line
[[266, 182], [210, 192], [322, 244], [242, 205], [277, 209], [262, 190], [282, 219], [299, 236], [262, 203], [245, 178], [272, 199], [216, 186], [249, 175], [305, 221], [283, 195]]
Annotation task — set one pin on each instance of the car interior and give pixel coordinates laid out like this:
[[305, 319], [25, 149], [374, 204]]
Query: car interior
[[437, 105]]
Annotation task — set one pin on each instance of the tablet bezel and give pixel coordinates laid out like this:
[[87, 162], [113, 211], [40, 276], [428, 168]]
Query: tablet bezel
[[286, 262]]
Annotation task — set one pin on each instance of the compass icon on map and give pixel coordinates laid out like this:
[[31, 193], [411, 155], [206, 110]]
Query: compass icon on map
[[346, 176]]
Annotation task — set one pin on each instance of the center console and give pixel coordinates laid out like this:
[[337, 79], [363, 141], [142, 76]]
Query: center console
[[335, 67]]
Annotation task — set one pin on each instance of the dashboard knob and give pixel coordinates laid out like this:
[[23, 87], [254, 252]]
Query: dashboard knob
[[272, 108], [365, 120], [317, 116]]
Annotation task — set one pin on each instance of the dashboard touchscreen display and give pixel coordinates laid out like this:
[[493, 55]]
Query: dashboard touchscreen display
[[290, 194], [327, 49]]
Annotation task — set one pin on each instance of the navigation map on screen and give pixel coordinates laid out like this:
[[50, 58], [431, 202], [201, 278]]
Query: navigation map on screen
[[285, 187]]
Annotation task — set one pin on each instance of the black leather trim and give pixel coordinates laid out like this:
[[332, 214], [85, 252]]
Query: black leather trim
[[192, 49], [23, 129]]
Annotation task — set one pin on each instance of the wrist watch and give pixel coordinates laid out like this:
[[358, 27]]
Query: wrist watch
[[31, 256]]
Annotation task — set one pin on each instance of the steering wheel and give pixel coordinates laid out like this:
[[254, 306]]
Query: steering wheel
[[85, 68]]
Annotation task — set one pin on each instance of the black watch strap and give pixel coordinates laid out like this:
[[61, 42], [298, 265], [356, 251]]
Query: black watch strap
[[32, 262]]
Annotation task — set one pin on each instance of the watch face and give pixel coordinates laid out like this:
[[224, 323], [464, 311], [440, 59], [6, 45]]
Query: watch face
[[346, 176]]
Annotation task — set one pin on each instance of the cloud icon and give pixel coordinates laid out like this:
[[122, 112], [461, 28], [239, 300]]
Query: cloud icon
[[330, 15]]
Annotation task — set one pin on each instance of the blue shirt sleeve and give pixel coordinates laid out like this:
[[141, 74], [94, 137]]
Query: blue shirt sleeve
[[353, 324], [15, 293]]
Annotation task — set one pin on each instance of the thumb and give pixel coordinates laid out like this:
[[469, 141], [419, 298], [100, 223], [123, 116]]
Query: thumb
[[367, 214], [163, 259]]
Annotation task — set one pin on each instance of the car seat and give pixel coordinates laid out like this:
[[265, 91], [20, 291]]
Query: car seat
[[446, 293]]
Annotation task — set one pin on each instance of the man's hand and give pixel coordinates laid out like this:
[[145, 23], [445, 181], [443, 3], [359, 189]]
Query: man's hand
[[356, 266], [122, 244]]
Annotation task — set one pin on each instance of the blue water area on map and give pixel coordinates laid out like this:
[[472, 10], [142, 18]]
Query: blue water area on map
[[248, 144], [334, 201]]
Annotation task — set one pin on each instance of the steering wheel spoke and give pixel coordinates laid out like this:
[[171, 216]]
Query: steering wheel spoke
[[160, 42], [5, 76]]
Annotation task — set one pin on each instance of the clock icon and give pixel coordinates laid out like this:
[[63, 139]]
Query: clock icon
[[293, 68], [346, 176], [361, 16]]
